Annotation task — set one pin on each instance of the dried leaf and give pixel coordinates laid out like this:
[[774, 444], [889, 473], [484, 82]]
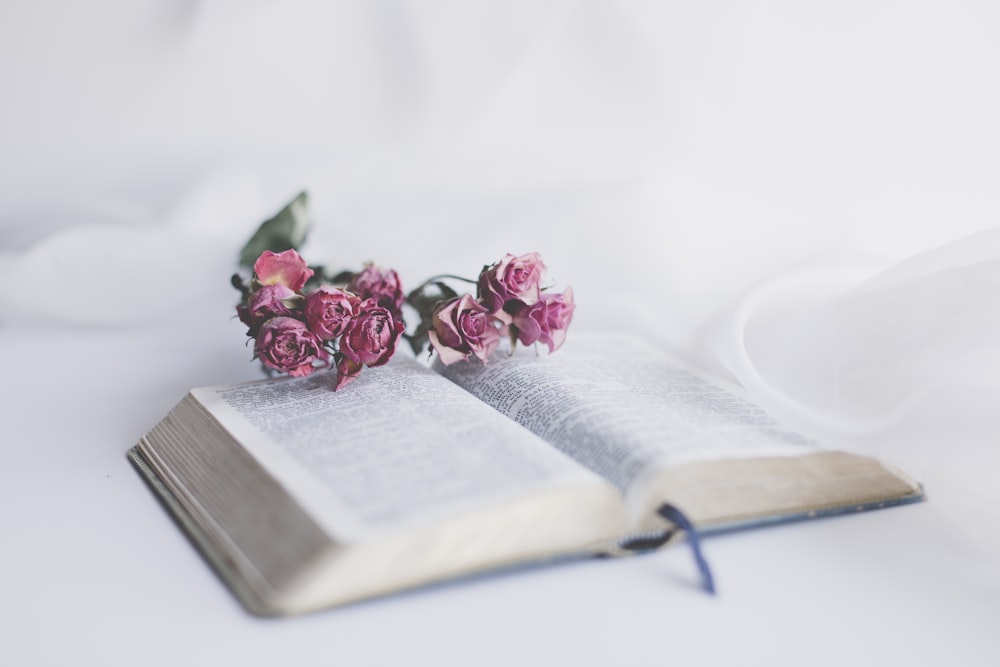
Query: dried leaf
[[286, 230]]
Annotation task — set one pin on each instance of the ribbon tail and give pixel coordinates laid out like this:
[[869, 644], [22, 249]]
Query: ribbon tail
[[679, 519]]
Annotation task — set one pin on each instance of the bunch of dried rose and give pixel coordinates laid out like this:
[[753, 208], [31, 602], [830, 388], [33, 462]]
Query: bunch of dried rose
[[300, 320]]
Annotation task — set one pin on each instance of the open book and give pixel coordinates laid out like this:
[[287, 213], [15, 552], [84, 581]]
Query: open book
[[304, 498]]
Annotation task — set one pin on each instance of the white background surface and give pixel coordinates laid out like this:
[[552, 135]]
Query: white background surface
[[799, 197]]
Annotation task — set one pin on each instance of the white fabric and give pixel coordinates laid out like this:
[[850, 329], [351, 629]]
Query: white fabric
[[798, 198]]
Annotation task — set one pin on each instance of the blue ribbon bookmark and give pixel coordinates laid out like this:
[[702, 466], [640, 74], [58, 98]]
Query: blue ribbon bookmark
[[676, 517], [679, 519]]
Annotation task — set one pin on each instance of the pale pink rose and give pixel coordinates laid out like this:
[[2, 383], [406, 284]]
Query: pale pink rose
[[462, 327], [329, 311], [371, 337], [284, 268], [383, 286], [267, 302], [546, 320], [511, 278], [286, 344]]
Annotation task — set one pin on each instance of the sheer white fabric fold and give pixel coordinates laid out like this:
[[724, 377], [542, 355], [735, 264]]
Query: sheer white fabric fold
[[911, 352]]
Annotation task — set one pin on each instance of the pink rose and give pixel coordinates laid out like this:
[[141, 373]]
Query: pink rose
[[267, 302], [462, 327], [546, 320], [329, 311], [286, 344], [383, 286], [371, 337], [284, 268], [511, 278]]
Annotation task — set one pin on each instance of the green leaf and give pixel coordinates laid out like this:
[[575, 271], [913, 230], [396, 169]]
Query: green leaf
[[427, 296], [424, 300], [286, 230], [419, 340], [342, 278]]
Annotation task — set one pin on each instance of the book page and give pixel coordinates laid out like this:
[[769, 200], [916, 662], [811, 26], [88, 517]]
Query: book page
[[619, 408], [399, 445]]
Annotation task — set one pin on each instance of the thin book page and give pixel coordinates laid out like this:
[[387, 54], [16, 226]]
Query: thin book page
[[398, 448], [621, 409]]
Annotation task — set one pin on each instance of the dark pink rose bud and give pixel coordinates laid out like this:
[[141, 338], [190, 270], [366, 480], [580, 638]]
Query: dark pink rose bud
[[463, 327], [371, 337], [546, 320], [329, 311], [286, 344], [383, 286], [347, 372], [267, 302], [284, 268], [511, 278]]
